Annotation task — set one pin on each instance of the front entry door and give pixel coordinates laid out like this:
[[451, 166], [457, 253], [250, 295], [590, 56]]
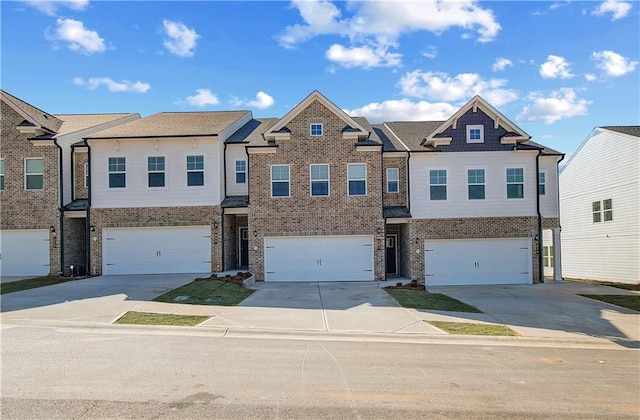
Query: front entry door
[[244, 247], [392, 254]]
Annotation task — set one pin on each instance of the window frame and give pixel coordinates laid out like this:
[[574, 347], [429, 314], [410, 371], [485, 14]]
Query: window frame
[[509, 183], [2, 169], [350, 180], [390, 180], [195, 170], [547, 256], [282, 181], [85, 168], [542, 183], [157, 172], [439, 184], [596, 212], [313, 133], [607, 213], [241, 172], [482, 184], [312, 180], [117, 172], [33, 174], [474, 127]]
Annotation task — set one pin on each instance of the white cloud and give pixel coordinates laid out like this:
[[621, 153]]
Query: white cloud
[[320, 18], [50, 7], [555, 67], [613, 63], [180, 40], [117, 87], [561, 104], [430, 52], [202, 98], [365, 57], [77, 37], [618, 9], [441, 87], [501, 64], [590, 77], [263, 101], [404, 110]]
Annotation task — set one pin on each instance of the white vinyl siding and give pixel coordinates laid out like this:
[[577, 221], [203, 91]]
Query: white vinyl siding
[[235, 153]]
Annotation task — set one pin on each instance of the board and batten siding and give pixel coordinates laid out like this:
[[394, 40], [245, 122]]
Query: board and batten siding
[[457, 203], [236, 152], [607, 166], [137, 193]]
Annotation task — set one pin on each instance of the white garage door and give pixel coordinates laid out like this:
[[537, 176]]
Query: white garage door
[[24, 252], [156, 250], [481, 261], [319, 258]]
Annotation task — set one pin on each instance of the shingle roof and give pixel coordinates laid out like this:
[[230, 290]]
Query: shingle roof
[[395, 211], [373, 135], [632, 130], [77, 122], [173, 124], [43, 119], [252, 131], [413, 132], [545, 150], [235, 201]]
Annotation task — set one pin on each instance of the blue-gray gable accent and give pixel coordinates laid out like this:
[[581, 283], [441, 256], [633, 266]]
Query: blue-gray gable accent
[[492, 136]]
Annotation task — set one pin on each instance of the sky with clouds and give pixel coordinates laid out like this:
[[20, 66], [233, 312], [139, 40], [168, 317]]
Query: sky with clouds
[[557, 69]]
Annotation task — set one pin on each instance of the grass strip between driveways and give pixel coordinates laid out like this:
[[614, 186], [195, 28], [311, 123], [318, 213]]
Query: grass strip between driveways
[[34, 283], [419, 299], [146, 318], [467, 328], [207, 292], [626, 301], [625, 286]]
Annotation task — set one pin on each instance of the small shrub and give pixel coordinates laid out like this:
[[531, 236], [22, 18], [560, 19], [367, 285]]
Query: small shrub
[[399, 284], [414, 283]]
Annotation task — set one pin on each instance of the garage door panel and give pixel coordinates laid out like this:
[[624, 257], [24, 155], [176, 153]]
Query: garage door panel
[[24, 253]]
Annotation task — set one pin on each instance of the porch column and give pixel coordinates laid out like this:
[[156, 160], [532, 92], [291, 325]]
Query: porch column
[[557, 252]]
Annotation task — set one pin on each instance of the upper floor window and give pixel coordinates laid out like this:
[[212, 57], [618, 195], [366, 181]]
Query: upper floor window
[[392, 180], [155, 168], [241, 171], [602, 211], [515, 183], [195, 170], [319, 180], [117, 172], [33, 174], [475, 134], [86, 175], [315, 129], [596, 210], [280, 182], [475, 181], [608, 210], [438, 184], [1, 174], [542, 184], [357, 178]]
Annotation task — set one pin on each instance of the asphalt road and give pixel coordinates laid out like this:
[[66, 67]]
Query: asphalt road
[[120, 373]]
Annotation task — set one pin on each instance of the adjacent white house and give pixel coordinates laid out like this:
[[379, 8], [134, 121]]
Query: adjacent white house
[[599, 207]]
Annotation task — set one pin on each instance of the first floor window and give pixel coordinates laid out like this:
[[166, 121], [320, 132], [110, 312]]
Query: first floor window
[[515, 183], [547, 256], [392, 180], [33, 174], [315, 129], [357, 178], [280, 181], [241, 171], [319, 180], [475, 180], [595, 209], [438, 184], [542, 183], [117, 172], [155, 167], [1, 174], [195, 170]]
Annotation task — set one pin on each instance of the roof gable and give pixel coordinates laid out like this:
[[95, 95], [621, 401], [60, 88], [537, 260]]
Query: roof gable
[[35, 119], [279, 129]]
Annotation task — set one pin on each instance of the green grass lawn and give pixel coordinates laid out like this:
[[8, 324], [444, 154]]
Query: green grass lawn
[[207, 292], [34, 283], [625, 286], [626, 301], [467, 328], [145, 318], [419, 299]]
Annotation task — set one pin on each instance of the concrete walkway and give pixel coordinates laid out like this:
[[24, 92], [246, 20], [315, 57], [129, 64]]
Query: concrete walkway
[[546, 314]]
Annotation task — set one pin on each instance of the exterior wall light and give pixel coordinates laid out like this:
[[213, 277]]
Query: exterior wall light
[[215, 224], [92, 228], [52, 229]]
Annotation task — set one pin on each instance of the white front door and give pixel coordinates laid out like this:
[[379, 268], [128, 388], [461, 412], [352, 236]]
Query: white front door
[[478, 261], [24, 252], [319, 258], [156, 250]]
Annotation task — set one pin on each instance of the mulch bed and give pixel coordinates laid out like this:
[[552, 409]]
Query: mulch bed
[[237, 279], [408, 286]]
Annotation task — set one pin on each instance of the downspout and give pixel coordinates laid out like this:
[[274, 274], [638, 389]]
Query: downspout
[[540, 265], [224, 184], [384, 219], [88, 223], [61, 201]]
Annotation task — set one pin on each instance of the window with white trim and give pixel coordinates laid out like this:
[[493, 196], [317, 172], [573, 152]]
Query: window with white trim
[[547, 256], [195, 170], [86, 175], [33, 174], [438, 184], [117, 172], [515, 182], [475, 134], [475, 184], [602, 210], [596, 210], [241, 171], [319, 180], [607, 208], [542, 183], [357, 178], [280, 181], [315, 129], [1, 174], [155, 168], [392, 180]]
